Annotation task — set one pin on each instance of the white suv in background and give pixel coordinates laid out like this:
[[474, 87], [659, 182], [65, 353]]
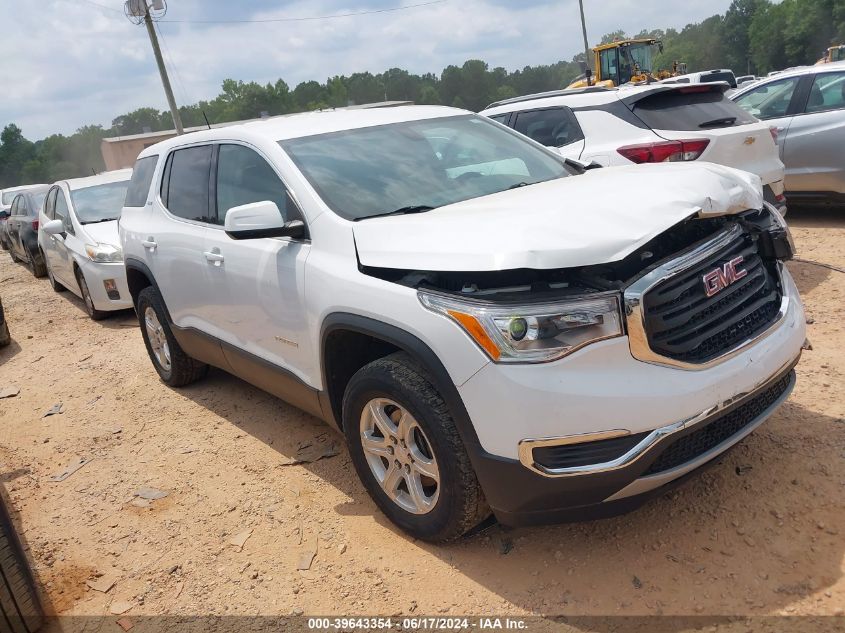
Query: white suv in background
[[77, 235], [490, 327], [649, 124]]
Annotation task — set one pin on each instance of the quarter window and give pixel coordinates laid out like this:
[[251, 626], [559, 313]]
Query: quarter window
[[142, 177], [185, 185], [244, 177], [553, 127], [50, 207], [827, 93], [62, 213]]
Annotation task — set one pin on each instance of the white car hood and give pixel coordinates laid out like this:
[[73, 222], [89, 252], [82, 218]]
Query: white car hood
[[103, 232], [595, 218]]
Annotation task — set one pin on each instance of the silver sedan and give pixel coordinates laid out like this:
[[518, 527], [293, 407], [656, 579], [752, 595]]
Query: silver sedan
[[807, 107]]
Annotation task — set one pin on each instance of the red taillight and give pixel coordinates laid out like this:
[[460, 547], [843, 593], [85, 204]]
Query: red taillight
[[669, 151], [780, 198], [774, 132], [695, 89], [35, 225]]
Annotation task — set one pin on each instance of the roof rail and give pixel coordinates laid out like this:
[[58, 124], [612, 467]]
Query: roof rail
[[552, 93]]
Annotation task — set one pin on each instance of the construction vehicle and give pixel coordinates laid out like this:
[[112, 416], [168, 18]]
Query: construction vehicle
[[833, 54], [626, 61]]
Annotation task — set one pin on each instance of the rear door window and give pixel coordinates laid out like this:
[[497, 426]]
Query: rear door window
[[690, 108], [553, 127], [142, 178], [186, 183]]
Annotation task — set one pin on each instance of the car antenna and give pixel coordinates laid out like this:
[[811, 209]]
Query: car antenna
[[206, 119]]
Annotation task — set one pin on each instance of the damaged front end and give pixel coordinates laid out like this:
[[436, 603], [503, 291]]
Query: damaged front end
[[696, 292]]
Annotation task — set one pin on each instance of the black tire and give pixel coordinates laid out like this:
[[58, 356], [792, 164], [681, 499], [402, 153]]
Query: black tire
[[460, 505], [5, 336], [36, 263], [20, 610], [55, 285], [183, 370], [96, 315], [15, 258]]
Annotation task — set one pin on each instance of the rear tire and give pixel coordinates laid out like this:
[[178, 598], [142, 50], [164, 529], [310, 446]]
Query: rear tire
[[5, 336], [174, 366], [36, 264], [414, 466], [96, 315], [20, 609], [15, 258]]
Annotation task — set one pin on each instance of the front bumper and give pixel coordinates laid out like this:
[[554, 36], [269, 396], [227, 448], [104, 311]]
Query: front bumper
[[96, 273], [603, 392]]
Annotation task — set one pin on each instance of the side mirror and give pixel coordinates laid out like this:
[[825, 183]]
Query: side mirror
[[54, 227], [260, 219], [4, 214]]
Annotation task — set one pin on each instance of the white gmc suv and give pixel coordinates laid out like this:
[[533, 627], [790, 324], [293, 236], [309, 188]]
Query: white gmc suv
[[492, 328]]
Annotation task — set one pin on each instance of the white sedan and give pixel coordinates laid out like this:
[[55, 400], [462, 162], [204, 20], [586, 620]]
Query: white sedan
[[78, 237]]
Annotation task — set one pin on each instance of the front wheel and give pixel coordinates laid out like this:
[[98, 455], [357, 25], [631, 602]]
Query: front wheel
[[173, 365], [96, 315], [408, 453]]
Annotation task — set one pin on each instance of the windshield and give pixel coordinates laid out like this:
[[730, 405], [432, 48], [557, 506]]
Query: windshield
[[9, 196], [100, 202], [641, 56], [418, 165]]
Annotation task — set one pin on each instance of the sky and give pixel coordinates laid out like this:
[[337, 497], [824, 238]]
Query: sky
[[69, 63]]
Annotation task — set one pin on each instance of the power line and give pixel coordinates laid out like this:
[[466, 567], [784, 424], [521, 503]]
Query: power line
[[317, 17], [102, 6], [179, 81]]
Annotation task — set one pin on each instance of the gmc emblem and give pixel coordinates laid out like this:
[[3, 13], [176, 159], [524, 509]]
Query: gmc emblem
[[717, 280]]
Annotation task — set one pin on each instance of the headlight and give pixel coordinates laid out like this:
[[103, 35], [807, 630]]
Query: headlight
[[532, 333], [104, 253]]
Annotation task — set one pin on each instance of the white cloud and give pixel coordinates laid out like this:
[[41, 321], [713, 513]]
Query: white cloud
[[68, 63]]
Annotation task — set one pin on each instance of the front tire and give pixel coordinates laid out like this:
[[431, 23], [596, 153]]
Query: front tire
[[407, 451], [96, 315], [174, 366], [55, 285]]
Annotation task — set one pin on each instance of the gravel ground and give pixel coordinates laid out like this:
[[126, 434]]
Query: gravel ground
[[762, 532]]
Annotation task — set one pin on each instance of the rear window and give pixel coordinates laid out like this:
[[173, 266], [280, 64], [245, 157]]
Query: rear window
[[693, 108], [709, 78], [139, 186]]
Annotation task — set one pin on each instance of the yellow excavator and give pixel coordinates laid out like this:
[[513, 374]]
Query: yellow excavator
[[626, 61], [833, 54]]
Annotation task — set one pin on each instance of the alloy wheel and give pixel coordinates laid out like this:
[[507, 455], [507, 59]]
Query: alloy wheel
[[157, 338], [400, 456]]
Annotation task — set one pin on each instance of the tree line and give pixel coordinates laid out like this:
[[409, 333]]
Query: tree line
[[753, 36]]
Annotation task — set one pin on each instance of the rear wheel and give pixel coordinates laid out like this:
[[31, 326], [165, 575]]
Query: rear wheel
[[173, 365], [5, 336], [20, 609], [95, 314], [36, 263], [408, 453]]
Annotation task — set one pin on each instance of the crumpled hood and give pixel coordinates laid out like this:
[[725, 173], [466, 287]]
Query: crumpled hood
[[598, 217], [103, 232]]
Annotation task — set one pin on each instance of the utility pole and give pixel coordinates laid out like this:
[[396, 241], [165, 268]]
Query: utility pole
[[584, 32], [140, 9]]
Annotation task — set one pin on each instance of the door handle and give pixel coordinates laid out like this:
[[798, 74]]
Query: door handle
[[214, 257], [149, 243]]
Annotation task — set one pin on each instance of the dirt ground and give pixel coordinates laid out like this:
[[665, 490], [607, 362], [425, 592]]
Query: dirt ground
[[762, 532]]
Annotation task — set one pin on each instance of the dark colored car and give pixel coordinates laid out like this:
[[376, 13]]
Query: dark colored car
[[4, 241], [22, 229], [5, 337]]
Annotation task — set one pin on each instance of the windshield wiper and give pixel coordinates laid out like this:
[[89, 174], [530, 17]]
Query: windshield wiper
[[417, 208], [727, 121], [521, 184], [98, 221]]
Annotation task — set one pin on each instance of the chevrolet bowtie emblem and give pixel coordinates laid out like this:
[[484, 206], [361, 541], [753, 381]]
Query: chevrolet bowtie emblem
[[750, 140]]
